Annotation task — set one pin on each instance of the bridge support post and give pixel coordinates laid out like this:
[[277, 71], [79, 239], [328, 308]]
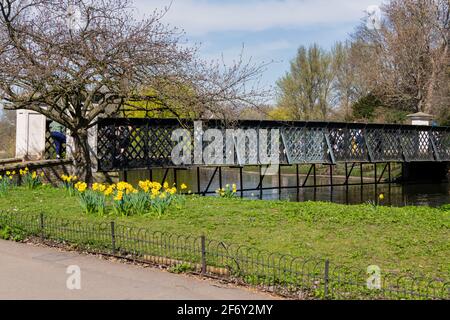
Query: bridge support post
[[361, 172], [375, 173], [220, 179], [199, 191], [279, 182], [261, 180], [241, 180], [315, 175], [175, 177], [331, 176], [389, 173]]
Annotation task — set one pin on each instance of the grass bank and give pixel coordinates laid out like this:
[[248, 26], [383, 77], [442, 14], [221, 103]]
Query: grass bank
[[412, 239]]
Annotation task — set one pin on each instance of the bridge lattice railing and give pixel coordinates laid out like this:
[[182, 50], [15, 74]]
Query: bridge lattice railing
[[147, 143]]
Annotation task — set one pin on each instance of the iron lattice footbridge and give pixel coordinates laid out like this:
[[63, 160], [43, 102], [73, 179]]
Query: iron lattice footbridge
[[127, 144]]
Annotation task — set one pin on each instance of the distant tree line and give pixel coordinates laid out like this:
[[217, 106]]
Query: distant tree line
[[381, 73]]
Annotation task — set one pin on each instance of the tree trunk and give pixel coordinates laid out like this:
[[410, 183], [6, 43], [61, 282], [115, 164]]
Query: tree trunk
[[82, 158]]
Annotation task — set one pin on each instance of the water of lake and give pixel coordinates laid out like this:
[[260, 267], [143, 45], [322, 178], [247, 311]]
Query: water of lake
[[433, 195]]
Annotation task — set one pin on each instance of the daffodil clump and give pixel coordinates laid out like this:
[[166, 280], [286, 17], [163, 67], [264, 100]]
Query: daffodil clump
[[5, 183], [228, 191], [31, 180], [92, 201], [69, 183], [126, 200]]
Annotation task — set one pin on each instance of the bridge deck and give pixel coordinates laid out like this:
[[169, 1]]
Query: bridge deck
[[147, 143]]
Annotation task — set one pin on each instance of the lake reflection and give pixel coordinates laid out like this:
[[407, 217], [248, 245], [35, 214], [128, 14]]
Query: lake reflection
[[433, 195]]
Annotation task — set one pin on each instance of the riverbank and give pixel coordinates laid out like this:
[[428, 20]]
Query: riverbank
[[411, 239]]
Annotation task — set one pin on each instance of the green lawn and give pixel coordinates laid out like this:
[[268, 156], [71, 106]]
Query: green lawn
[[413, 239]]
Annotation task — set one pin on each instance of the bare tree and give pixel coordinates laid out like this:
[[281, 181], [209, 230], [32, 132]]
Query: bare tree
[[76, 60], [404, 61]]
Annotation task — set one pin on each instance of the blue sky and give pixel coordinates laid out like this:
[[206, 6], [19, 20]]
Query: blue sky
[[269, 30]]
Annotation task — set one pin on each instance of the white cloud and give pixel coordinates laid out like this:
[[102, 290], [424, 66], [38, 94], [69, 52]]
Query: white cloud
[[199, 17], [261, 51]]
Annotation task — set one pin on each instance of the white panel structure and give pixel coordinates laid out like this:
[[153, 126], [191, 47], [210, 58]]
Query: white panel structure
[[30, 135]]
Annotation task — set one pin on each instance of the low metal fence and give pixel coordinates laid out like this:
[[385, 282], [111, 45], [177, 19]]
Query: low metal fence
[[283, 274]]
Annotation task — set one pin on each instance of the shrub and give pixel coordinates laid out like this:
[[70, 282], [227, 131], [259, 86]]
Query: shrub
[[8, 233]]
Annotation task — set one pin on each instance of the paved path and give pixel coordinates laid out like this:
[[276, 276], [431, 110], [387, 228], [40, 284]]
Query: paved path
[[35, 272]]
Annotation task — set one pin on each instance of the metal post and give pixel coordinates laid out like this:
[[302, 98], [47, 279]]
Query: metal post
[[175, 180], [125, 175], [203, 243], [298, 182], [151, 175], [113, 238], [403, 172], [279, 181], [361, 173], [375, 173], [199, 191], [41, 225], [241, 179], [326, 279], [166, 173], [315, 175], [220, 178], [331, 175], [390, 172], [346, 174], [260, 183], [347, 191]]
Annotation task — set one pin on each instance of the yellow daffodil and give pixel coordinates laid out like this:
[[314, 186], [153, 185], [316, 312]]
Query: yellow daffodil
[[119, 196], [34, 175], [156, 185], [81, 186], [381, 197], [155, 192], [183, 187], [108, 191], [166, 185]]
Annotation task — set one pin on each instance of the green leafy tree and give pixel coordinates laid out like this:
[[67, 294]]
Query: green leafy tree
[[365, 108], [306, 89]]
